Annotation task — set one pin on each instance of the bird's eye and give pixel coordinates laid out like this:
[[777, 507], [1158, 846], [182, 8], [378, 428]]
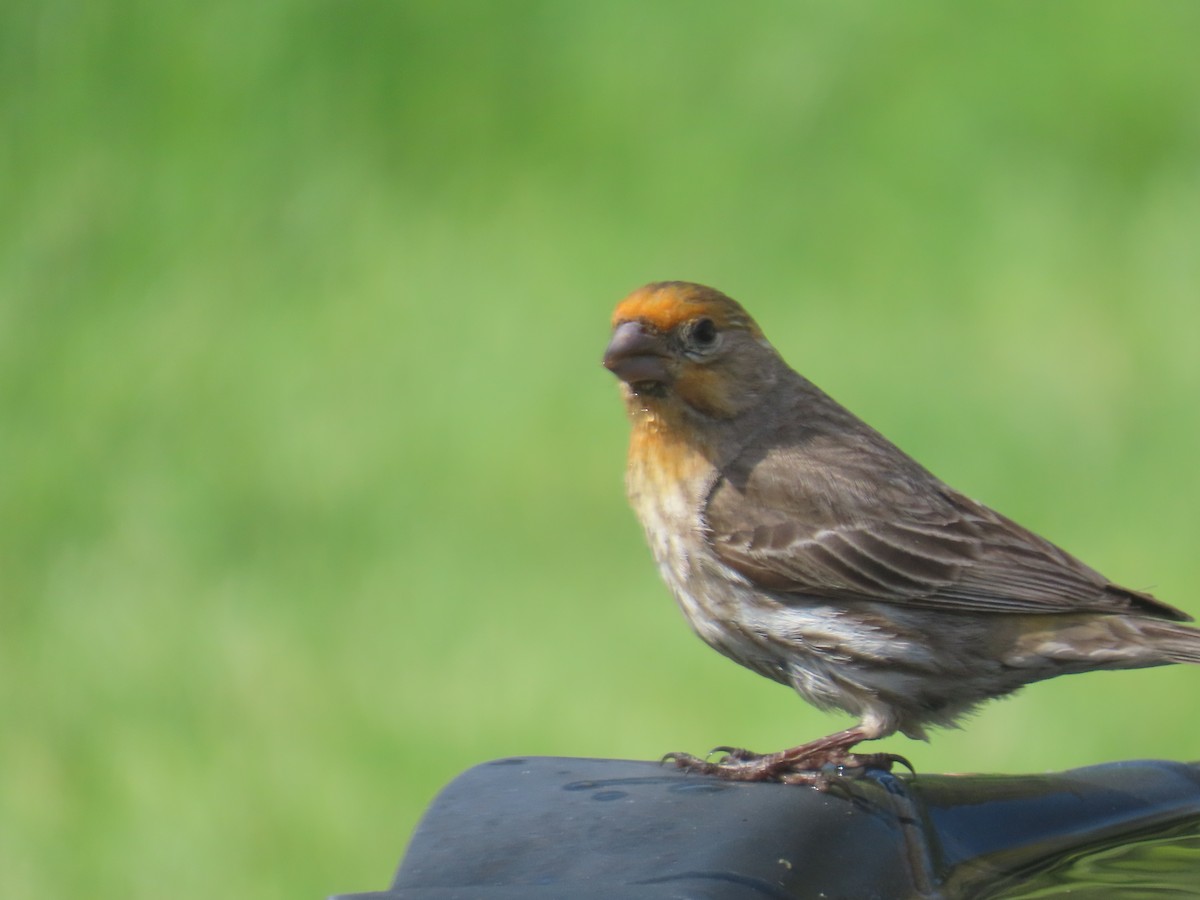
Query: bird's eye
[[702, 334]]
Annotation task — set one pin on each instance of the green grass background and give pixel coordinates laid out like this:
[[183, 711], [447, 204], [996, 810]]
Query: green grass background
[[310, 478]]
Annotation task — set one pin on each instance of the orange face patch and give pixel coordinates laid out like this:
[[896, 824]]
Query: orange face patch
[[665, 305]]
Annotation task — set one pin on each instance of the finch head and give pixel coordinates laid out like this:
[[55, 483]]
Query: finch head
[[680, 344]]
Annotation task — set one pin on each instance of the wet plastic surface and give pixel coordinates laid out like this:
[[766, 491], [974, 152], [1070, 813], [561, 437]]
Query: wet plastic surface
[[584, 828]]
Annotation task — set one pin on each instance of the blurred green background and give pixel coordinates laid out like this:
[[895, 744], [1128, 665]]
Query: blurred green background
[[311, 478]]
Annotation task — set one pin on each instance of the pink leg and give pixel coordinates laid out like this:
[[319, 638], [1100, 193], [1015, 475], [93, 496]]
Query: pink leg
[[806, 764]]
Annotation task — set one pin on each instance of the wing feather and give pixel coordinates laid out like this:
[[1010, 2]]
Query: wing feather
[[793, 523]]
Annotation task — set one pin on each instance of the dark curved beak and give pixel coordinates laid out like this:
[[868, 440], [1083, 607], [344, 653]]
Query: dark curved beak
[[637, 356]]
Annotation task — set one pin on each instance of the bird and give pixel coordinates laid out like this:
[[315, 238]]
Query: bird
[[801, 543]]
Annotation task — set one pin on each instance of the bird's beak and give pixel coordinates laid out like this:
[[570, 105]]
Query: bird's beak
[[637, 356]]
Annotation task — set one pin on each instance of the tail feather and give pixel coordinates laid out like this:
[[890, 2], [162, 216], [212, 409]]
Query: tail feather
[[1177, 643]]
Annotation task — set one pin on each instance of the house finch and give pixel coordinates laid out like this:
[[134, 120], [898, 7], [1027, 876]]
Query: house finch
[[804, 545]]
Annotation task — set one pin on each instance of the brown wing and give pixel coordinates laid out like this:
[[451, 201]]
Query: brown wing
[[863, 522]]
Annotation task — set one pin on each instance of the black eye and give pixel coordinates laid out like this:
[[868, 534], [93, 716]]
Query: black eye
[[703, 333]]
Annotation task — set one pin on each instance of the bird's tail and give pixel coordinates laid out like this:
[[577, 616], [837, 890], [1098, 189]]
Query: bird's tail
[[1176, 642]]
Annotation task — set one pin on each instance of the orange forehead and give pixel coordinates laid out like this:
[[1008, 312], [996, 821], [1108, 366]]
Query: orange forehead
[[666, 304]]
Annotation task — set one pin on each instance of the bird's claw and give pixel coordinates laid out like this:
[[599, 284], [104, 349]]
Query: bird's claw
[[820, 770], [687, 762], [731, 753]]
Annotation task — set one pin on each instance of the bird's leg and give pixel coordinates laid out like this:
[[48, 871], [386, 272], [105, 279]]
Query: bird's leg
[[809, 763]]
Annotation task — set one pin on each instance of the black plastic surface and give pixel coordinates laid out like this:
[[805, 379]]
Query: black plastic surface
[[581, 828]]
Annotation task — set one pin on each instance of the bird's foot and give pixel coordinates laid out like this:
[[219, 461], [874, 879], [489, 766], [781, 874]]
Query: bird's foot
[[813, 765]]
